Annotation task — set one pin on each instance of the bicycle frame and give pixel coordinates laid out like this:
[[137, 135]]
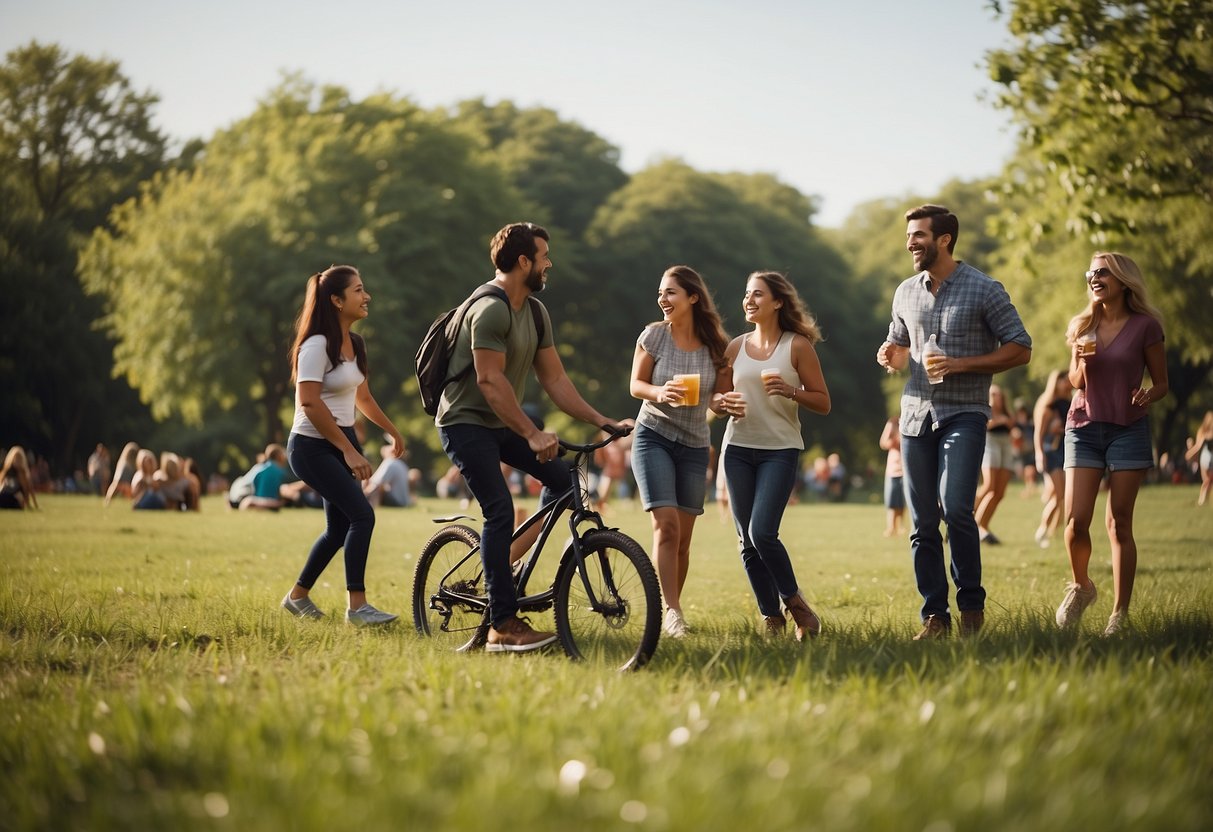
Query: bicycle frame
[[573, 499]]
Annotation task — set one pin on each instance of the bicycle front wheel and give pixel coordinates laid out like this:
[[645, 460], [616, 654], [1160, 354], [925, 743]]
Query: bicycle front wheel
[[449, 595], [623, 630]]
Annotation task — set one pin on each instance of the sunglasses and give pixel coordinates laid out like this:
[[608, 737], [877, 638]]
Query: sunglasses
[[1102, 271]]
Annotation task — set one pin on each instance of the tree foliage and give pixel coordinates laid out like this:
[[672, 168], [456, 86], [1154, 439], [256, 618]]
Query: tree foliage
[[74, 140], [1114, 101], [205, 272]]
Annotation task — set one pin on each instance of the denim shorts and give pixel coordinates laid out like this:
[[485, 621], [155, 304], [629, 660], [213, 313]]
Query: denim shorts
[[669, 473], [1111, 446]]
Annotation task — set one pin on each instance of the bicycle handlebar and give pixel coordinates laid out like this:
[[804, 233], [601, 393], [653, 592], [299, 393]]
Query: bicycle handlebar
[[585, 449]]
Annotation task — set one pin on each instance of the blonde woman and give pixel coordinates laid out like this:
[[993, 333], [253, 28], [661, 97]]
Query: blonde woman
[[16, 486], [1113, 342], [1202, 448], [1049, 420], [145, 488]]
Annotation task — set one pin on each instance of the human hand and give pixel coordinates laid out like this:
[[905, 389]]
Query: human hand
[[884, 357], [672, 393], [1142, 398], [359, 465], [733, 403], [399, 451], [545, 444]]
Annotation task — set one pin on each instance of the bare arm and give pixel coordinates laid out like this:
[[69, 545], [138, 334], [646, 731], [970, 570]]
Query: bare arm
[[892, 357], [721, 402], [322, 420], [371, 410], [1156, 363], [642, 387], [1004, 358], [812, 394], [890, 438]]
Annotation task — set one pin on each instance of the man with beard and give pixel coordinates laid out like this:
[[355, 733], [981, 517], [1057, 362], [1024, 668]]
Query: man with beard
[[943, 425], [482, 424]]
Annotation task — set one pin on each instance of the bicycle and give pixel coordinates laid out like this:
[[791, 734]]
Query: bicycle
[[605, 596]]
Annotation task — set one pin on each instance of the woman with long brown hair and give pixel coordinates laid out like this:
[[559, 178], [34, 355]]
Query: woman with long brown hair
[[1113, 342], [16, 485], [774, 373], [675, 359], [330, 371]]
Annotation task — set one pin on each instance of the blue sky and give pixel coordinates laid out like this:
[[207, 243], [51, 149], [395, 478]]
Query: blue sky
[[846, 101]]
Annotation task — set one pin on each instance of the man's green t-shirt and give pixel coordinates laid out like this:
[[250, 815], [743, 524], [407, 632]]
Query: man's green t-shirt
[[494, 325]]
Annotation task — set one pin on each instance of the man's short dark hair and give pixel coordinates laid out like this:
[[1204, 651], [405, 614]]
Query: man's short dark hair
[[943, 221], [515, 240]]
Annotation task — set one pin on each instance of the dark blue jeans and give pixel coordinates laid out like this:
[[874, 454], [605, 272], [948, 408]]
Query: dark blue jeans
[[478, 452], [349, 518], [760, 483], [942, 467]]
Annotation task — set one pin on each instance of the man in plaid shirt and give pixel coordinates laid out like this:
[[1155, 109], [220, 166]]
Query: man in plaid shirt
[[943, 425]]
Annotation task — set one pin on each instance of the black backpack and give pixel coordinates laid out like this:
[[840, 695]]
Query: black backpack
[[433, 357]]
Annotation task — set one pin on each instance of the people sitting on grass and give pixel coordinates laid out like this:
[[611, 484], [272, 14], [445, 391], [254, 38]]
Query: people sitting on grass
[[389, 485], [261, 488], [16, 485]]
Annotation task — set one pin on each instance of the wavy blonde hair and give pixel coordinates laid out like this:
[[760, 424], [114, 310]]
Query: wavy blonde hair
[[1137, 299]]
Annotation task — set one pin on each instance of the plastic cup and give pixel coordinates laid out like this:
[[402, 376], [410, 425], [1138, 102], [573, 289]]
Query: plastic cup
[[689, 381], [768, 373], [1086, 345]]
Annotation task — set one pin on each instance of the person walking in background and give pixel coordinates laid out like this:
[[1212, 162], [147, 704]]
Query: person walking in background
[[774, 373], [894, 485], [1050, 420], [1113, 342], [1202, 450], [677, 361], [997, 465], [99, 470], [331, 373], [16, 485], [145, 488], [1023, 440], [945, 406], [482, 424], [124, 472]]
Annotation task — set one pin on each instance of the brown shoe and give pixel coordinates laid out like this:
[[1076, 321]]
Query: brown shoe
[[933, 626], [478, 640], [971, 622], [807, 622], [774, 625], [516, 636]]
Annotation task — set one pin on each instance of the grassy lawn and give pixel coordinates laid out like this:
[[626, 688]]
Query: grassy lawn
[[149, 680]]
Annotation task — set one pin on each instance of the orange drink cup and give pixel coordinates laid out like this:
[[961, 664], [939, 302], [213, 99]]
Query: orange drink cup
[[768, 373], [689, 381], [1086, 345]]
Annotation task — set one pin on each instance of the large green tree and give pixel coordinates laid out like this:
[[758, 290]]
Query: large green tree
[[1114, 101], [75, 138], [726, 226], [204, 274]]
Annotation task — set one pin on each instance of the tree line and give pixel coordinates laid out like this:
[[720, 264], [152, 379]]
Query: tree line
[[151, 293]]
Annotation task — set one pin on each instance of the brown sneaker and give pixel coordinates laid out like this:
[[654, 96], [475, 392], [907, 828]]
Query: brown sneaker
[[807, 622], [516, 636], [774, 626], [933, 626], [971, 622], [478, 640]]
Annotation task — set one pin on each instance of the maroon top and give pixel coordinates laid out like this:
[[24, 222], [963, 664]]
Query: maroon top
[[1113, 373]]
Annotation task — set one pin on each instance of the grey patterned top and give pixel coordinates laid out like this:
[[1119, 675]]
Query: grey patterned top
[[971, 315], [688, 425]]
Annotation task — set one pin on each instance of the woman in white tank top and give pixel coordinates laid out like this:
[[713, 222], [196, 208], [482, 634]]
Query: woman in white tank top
[[775, 373]]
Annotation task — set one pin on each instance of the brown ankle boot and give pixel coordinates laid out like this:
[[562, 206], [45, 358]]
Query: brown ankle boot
[[807, 622], [774, 625]]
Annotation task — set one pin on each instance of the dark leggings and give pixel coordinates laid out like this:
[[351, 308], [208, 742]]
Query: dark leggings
[[349, 518]]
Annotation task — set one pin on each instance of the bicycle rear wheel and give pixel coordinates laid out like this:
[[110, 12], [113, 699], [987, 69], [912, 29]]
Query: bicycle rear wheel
[[449, 596], [623, 632]]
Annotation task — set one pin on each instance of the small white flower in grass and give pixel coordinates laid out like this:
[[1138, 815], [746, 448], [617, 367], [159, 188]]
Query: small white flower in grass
[[215, 805], [680, 736], [778, 768], [96, 744], [926, 711], [571, 775], [1062, 688], [102, 708], [119, 590], [1012, 685], [633, 812]]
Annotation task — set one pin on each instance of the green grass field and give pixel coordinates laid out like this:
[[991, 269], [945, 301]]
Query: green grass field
[[149, 680]]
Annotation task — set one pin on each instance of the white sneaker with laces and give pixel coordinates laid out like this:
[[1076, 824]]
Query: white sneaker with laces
[[1072, 606], [301, 607], [675, 625], [1118, 621], [367, 615]]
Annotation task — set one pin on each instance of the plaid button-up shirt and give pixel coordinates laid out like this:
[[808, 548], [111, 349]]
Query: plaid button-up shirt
[[971, 315]]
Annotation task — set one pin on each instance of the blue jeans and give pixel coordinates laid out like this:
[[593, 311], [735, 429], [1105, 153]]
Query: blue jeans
[[942, 467], [349, 518], [478, 452], [760, 483]]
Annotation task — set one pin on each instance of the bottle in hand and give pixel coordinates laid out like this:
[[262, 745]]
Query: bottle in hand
[[931, 349]]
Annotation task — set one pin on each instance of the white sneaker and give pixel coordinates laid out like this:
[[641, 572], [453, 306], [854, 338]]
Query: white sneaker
[[368, 615], [1072, 606], [301, 607], [1117, 623], [675, 625]]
